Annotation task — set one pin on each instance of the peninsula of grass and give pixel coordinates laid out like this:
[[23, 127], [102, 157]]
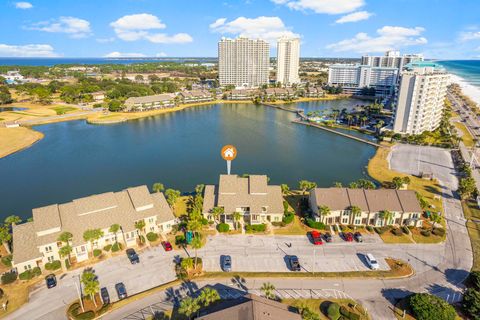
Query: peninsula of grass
[[63, 109], [16, 139], [471, 212], [466, 136]]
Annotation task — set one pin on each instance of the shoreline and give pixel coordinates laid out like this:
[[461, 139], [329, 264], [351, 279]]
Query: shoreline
[[23, 137], [468, 89]]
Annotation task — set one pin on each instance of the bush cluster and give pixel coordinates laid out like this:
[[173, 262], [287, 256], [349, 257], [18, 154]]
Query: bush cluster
[[152, 236], [223, 227], [439, 232], [180, 239], [116, 247], [278, 224], [288, 217], [405, 230], [425, 233], [204, 221], [107, 247], [251, 228], [382, 230], [7, 260], [29, 274], [349, 315], [97, 252], [333, 311], [8, 277], [369, 228], [285, 206], [317, 225], [54, 265], [397, 231]]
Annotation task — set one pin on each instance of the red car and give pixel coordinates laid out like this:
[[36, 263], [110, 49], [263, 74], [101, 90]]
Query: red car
[[316, 237], [348, 236], [167, 246]]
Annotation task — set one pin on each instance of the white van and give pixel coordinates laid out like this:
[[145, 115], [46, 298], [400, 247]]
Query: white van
[[372, 262]]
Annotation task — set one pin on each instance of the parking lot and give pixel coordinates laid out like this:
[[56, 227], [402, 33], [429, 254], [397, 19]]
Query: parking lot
[[269, 253]]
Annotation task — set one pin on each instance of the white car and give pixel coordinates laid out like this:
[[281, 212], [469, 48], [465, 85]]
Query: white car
[[372, 262]]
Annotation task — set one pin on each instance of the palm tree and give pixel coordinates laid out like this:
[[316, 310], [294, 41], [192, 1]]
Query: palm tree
[[338, 184], [140, 225], [236, 218], [324, 211], [65, 237], [208, 296], [364, 119], [267, 289], [386, 216], [435, 218], [158, 187], [305, 185], [216, 212], [114, 228], [285, 188], [10, 220], [188, 307], [91, 235], [355, 211], [349, 119], [91, 286], [196, 244], [65, 251]]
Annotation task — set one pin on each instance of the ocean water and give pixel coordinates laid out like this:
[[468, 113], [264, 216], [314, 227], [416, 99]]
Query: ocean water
[[469, 70]]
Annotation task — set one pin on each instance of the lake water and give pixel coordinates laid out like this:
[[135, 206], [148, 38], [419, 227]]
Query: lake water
[[181, 149]]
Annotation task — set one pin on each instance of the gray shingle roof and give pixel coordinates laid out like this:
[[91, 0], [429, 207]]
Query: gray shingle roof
[[24, 243]]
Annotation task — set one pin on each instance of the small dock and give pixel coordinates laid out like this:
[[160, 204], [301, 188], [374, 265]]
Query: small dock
[[282, 107], [346, 135]]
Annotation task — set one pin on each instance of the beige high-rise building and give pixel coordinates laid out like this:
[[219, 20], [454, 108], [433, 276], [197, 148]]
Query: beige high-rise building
[[419, 101], [243, 62], [288, 60]]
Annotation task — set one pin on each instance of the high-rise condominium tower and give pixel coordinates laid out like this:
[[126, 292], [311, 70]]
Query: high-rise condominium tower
[[420, 98], [288, 60], [243, 62], [391, 59]]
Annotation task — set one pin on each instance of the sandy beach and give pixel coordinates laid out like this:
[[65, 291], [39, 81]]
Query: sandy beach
[[469, 90]]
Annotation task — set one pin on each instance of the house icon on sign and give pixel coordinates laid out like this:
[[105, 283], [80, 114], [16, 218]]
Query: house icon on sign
[[229, 153]]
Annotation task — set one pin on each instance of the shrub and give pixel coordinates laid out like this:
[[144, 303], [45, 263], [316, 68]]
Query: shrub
[[180, 239], [471, 302], [67, 264], [74, 309], [278, 224], [7, 260], [381, 230], [107, 247], [285, 206], [97, 252], [223, 227], [397, 231], [116, 247], [204, 221], [333, 311], [152, 236], [54, 265], [8, 277], [251, 228], [316, 225], [27, 275], [427, 306], [343, 228], [425, 233], [37, 271], [349, 315], [405, 230], [439, 232], [288, 217], [85, 315], [369, 228]]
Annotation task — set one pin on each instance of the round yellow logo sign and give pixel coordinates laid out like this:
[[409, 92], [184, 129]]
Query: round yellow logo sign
[[229, 152]]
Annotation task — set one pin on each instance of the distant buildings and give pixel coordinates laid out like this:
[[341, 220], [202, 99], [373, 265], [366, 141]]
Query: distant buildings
[[159, 101], [372, 205], [419, 100], [355, 78], [194, 96], [288, 60], [391, 59], [13, 77], [36, 243], [243, 62], [252, 197]]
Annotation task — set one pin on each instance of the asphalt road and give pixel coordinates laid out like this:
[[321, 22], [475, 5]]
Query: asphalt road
[[440, 268]]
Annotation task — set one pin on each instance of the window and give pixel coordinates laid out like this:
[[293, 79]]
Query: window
[[152, 229], [151, 220], [254, 217], [264, 209], [27, 267], [50, 259], [345, 213], [345, 220], [48, 249]]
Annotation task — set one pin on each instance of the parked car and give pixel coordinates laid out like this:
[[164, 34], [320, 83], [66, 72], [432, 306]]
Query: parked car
[[133, 256], [105, 296], [121, 290], [371, 261], [294, 263], [328, 237], [226, 262], [358, 237], [51, 281], [316, 237], [167, 246], [348, 236]]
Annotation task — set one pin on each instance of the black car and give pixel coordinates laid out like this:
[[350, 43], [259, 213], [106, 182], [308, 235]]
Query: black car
[[328, 237], [358, 237], [105, 296], [51, 281], [121, 291], [133, 256], [294, 263], [226, 263]]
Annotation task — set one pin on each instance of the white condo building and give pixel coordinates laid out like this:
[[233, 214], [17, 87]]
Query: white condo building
[[243, 62], [391, 59], [354, 77], [419, 100], [288, 60]]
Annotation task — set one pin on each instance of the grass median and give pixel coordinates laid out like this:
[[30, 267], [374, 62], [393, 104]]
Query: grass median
[[472, 212]]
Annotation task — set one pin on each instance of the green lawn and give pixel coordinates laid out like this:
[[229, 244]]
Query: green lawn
[[471, 211], [389, 237], [62, 109], [319, 306], [466, 136]]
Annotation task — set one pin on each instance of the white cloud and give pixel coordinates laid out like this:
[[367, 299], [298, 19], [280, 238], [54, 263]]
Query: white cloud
[[74, 27], [117, 54], [389, 37], [469, 35], [105, 40], [161, 55], [354, 17], [28, 50], [267, 28], [23, 5], [323, 6], [139, 26]]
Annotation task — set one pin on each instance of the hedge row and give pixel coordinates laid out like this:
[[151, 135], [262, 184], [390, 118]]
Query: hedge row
[[29, 274], [397, 231], [251, 228], [8, 277], [349, 315], [54, 265], [315, 225], [97, 252]]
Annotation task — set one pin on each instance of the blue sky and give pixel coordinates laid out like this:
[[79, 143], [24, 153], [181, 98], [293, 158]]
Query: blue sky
[[448, 29]]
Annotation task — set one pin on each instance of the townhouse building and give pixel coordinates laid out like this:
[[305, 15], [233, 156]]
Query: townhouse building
[[36, 243], [194, 96], [159, 101], [402, 204], [252, 197]]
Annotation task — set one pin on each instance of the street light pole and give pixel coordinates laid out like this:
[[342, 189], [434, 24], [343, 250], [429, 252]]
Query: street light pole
[[78, 292]]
